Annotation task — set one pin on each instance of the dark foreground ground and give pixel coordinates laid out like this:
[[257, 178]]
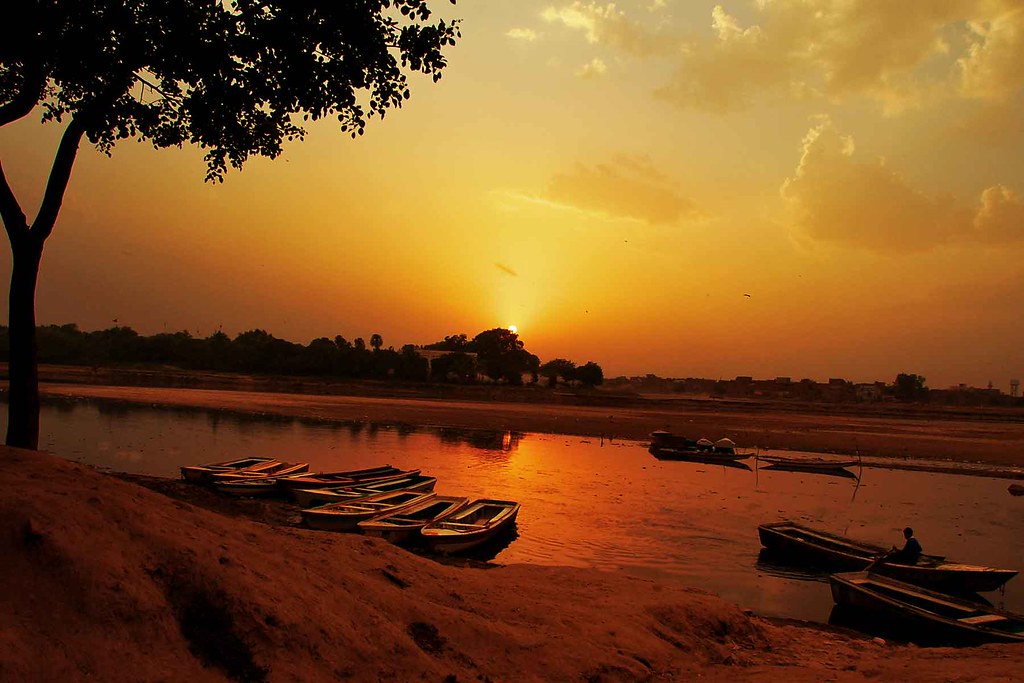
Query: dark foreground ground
[[104, 579]]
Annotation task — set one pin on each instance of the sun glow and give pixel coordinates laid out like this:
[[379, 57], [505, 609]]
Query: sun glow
[[513, 329]]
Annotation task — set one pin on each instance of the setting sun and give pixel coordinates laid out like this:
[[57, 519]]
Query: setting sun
[[513, 329]]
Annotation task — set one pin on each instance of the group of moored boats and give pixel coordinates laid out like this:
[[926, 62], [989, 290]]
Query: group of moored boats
[[397, 505], [929, 601], [668, 446]]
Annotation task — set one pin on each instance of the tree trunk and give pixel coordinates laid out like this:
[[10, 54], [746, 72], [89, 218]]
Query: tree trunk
[[26, 252], [23, 411]]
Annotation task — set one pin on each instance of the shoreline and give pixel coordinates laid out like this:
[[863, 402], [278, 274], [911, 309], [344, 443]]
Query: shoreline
[[895, 443]]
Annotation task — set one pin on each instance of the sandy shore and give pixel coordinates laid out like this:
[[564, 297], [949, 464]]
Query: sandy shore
[[107, 580], [980, 437]]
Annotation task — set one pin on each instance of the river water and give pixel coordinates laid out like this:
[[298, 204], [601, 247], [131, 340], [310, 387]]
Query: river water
[[588, 502]]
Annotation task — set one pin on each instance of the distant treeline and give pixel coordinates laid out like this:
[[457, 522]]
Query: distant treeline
[[497, 355]]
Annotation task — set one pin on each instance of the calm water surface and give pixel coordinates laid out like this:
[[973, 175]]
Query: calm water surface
[[588, 502]]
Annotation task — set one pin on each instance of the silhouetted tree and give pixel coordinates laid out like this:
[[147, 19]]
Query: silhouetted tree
[[454, 342], [359, 344], [412, 365], [453, 367], [231, 77], [376, 341], [501, 355], [556, 368], [910, 387], [590, 374]]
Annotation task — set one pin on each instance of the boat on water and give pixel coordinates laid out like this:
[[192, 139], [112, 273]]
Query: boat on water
[[473, 525], [840, 473], [345, 516], [1016, 489], [404, 526], [338, 494], [701, 459], [923, 616], [796, 543], [316, 480], [785, 462], [202, 474], [669, 446]]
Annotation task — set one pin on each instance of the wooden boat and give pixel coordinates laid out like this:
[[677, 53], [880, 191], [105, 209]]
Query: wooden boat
[[203, 473], [923, 616], [784, 462], [474, 524], [701, 458], [798, 543], [668, 446], [318, 480], [276, 470], [404, 526], [661, 439], [842, 473], [347, 515], [337, 494], [1016, 489], [243, 484]]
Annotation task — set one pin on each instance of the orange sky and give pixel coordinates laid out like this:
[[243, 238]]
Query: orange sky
[[612, 179]]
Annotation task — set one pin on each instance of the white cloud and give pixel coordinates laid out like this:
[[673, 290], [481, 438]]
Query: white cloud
[[525, 34], [836, 198], [595, 68], [1001, 216], [627, 187], [993, 68], [901, 54], [608, 25]]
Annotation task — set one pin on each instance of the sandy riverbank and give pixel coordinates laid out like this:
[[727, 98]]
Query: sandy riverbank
[[961, 437], [106, 580]]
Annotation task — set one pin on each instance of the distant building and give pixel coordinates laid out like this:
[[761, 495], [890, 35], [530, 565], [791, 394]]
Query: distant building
[[871, 391]]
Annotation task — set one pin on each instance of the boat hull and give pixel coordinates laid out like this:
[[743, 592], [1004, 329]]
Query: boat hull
[[797, 543], [809, 465], [313, 497], [922, 616], [346, 516], [404, 527], [348, 478], [459, 532], [201, 474]]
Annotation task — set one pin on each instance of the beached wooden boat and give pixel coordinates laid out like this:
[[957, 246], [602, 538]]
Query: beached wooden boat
[[1016, 489], [795, 542], [203, 473], [316, 480], [923, 616], [261, 484], [404, 526], [275, 470], [806, 464], [338, 494], [471, 526], [347, 515]]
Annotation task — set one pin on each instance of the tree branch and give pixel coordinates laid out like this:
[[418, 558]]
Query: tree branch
[[21, 104], [10, 210], [153, 87], [60, 174]]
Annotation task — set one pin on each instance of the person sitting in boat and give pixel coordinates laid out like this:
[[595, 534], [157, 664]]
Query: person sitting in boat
[[910, 552]]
